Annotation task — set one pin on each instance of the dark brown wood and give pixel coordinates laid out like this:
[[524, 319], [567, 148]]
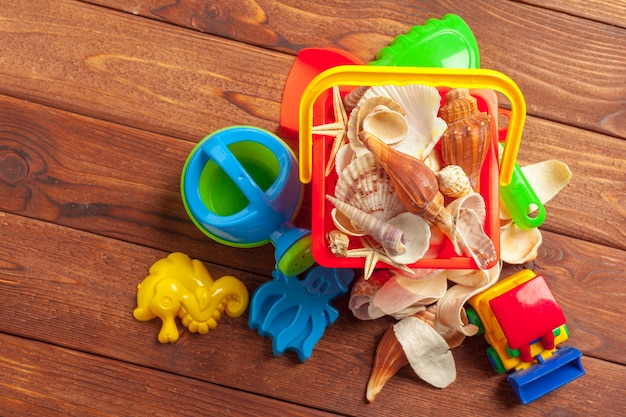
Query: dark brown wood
[[563, 64], [50, 380], [612, 12], [101, 102]]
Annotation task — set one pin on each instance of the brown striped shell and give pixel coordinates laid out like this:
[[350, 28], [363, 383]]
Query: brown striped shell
[[467, 139], [415, 183]]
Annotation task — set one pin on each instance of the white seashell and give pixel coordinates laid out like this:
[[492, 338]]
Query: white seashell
[[518, 246], [343, 223], [421, 105], [416, 237], [388, 125], [547, 178], [345, 155], [365, 184], [473, 201], [472, 238], [453, 182], [338, 242], [433, 161], [383, 110], [389, 236]]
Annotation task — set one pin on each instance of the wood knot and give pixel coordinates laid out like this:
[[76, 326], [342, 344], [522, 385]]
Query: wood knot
[[13, 166]]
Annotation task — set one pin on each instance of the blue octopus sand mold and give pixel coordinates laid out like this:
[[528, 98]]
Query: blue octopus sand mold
[[294, 313]]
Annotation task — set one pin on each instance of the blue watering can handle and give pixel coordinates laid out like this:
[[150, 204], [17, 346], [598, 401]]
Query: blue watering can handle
[[217, 151]]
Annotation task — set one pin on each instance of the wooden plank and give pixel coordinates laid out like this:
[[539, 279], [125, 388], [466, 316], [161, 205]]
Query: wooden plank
[[124, 183], [612, 12], [104, 178], [564, 65], [38, 379], [77, 289], [136, 72], [598, 165]]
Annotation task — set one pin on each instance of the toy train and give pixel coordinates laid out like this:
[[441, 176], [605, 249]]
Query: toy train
[[523, 324]]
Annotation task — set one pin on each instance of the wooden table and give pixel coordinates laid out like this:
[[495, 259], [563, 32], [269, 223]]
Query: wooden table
[[101, 102]]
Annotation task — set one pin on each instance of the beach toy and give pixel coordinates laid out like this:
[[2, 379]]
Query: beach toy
[[314, 109], [526, 329], [295, 312], [309, 63], [519, 197], [445, 43], [178, 286], [240, 187]]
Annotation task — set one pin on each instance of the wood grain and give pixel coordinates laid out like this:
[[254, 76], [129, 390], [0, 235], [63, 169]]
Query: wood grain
[[101, 101], [612, 12], [99, 287], [99, 189], [81, 384], [558, 78]]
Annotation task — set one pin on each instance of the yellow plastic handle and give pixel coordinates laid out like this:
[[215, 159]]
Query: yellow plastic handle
[[358, 75]]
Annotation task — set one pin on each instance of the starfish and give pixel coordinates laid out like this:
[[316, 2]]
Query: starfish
[[373, 254], [338, 128]]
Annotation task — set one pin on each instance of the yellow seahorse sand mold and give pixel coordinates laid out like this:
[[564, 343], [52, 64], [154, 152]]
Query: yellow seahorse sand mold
[[181, 286]]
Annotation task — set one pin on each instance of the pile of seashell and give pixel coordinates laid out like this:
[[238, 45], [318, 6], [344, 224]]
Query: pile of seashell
[[396, 195]]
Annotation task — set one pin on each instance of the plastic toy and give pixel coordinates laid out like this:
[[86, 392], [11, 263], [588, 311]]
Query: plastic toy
[[445, 43], [525, 208], [240, 187], [294, 313], [313, 153], [309, 63], [523, 324], [181, 286]]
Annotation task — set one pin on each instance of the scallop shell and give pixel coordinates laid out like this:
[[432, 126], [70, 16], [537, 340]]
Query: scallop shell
[[388, 124], [467, 139], [453, 182], [415, 184], [382, 116], [389, 236], [365, 184], [421, 104], [518, 246]]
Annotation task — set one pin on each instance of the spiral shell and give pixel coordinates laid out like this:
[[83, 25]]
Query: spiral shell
[[416, 185], [467, 139], [388, 235], [351, 99]]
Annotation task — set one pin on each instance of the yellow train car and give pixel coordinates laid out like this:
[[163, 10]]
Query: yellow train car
[[524, 325]]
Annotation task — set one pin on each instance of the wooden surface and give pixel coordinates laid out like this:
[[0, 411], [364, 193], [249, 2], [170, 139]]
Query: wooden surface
[[101, 102]]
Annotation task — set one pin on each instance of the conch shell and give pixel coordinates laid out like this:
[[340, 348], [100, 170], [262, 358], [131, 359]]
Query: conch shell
[[467, 139], [415, 184], [412, 341]]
